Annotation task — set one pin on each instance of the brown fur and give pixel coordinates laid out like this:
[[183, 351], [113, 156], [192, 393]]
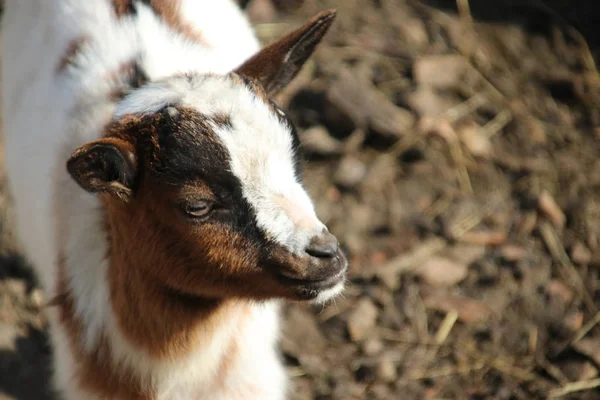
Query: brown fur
[[172, 280], [150, 276], [279, 62], [98, 373], [68, 58], [168, 11], [95, 373], [123, 7], [136, 301]]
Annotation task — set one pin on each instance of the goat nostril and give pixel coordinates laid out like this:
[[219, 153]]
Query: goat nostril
[[324, 245]]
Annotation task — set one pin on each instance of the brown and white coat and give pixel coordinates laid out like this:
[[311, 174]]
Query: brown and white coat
[[158, 194]]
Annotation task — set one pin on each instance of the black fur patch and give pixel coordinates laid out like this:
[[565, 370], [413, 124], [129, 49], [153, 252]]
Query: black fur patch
[[137, 76], [183, 149], [129, 76], [286, 120]]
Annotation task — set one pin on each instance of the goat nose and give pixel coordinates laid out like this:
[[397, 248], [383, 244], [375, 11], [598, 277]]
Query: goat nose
[[323, 245]]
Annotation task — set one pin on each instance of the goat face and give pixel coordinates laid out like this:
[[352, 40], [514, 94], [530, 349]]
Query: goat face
[[200, 175]]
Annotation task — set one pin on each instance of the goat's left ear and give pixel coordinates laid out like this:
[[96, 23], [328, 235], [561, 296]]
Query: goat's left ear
[[105, 166], [278, 63]]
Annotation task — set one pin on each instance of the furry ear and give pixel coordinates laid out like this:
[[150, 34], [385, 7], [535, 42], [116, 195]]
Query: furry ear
[[105, 166], [278, 63]]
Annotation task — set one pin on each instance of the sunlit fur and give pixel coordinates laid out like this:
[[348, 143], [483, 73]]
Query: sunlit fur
[[46, 115], [259, 146]]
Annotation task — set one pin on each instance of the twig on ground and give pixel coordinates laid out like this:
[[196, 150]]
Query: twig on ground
[[574, 387], [497, 124], [470, 221], [567, 268], [465, 108], [446, 327], [461, 169], [586, 328], [464, 13], [553, 371], [447, 371], [438, 206]]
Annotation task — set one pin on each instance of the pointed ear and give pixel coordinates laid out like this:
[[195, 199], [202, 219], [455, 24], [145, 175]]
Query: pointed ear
[[106, 165], [277, 64]]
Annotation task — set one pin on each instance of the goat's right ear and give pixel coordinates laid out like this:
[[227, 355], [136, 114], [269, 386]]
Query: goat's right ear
[[278, 63], [106, 165]]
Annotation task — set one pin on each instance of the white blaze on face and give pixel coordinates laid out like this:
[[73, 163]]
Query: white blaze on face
[[259, 146], [262, 158]]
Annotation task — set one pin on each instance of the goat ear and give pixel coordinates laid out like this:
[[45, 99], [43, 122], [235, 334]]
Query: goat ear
[[278, 63], [105, 166]]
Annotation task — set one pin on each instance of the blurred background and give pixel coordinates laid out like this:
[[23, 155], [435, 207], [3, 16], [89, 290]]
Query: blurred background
[[452, 145]]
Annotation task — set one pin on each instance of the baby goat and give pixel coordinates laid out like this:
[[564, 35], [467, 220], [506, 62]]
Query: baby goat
[[157, 193]]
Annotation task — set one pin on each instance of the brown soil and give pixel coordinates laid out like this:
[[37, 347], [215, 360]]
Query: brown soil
[[455, 154]]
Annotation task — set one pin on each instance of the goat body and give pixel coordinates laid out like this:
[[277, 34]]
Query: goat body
[[157, 194]]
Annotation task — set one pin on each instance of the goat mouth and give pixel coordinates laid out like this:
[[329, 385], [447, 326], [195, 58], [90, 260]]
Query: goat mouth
[[309, 289]]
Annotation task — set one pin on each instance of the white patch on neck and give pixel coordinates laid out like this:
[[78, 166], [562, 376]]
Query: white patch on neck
[[259, 146]]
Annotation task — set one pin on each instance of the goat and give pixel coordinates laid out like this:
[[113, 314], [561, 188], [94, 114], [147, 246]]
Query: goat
[[158, 193]]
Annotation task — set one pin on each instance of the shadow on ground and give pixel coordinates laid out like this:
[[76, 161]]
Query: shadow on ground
[[29, 364], [25, 355]]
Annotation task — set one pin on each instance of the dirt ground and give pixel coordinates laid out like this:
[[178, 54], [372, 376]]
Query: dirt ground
[[453, 148]]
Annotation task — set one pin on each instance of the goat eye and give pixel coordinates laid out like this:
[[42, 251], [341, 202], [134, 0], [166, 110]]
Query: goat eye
[[198, 208]]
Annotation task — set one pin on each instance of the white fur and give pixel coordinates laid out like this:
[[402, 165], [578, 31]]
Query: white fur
[[46, 116], [329, 294], [259, 146]]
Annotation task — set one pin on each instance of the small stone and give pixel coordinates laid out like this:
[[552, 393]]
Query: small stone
[[372, 347], [484, 238], [413, 30], [580, 254], [468, 310], [316, 140], [536, 131], [440, 71], [350, 172], [466, 253], [379, 390], [362, 319], [476, 142], [558, 289], [512, 253], [440, 271], [386, 371], [573, 321]]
